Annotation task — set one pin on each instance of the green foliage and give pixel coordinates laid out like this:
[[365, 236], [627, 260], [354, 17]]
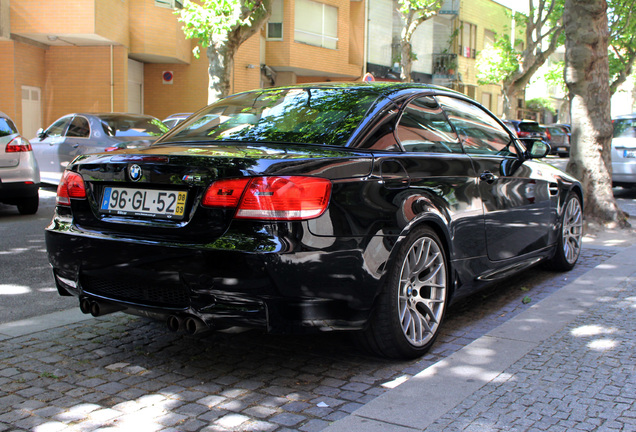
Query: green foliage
[[540, 104], [498, 62], [554, 76], [213, 20], [622, 40], [424, 8]]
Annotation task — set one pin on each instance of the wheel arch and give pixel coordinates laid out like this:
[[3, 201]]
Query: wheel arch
[[440, 226]]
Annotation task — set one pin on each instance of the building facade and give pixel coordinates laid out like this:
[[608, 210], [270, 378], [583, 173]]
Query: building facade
[[63, 56]]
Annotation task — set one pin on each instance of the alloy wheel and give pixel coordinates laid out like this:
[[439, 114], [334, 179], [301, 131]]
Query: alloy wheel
[[422, 292]]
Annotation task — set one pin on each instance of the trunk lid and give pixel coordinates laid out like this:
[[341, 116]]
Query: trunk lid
[[163, 176]]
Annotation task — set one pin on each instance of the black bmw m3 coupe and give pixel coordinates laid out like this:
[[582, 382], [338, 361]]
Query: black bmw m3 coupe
[[365, 207]]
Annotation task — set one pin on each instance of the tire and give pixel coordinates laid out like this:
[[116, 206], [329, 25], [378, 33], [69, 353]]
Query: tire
[[411, 307], [570, 234], [28, 205]]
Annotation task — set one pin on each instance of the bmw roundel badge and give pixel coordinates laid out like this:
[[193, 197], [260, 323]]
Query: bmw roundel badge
[[134, 171]]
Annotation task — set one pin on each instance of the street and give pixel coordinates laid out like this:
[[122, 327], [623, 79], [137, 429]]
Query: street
[[118, 369]]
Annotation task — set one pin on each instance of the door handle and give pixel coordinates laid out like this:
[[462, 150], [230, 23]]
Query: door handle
[[75, 145], [488, 177]]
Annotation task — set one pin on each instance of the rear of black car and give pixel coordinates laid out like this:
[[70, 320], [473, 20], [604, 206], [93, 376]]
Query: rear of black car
[[204, 232]]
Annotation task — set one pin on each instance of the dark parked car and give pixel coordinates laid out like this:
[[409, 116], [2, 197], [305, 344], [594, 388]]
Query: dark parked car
[[624, 151], [364, 207], [559, 139], [84, 133], [19, 174], [527, 129]]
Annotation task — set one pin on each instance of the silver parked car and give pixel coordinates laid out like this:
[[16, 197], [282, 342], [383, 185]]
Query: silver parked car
[[19, 174], [624, 151], [83, 133]]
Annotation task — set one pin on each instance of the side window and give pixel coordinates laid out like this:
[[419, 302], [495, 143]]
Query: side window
[[58, 128], [424, 128], [79, 128], [479, 131]]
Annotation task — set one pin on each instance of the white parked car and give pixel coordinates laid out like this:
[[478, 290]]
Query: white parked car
[[624, 151], [19, 173]]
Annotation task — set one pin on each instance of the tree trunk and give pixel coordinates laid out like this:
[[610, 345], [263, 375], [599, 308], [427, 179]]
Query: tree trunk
[[405, 61], [223, 49], [220, 67], [587, 78]]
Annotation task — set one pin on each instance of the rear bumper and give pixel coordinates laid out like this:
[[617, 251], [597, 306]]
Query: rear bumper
[[624, 171], [17, 190], [280, 292]]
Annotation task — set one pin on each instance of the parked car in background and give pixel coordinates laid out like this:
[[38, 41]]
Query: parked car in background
[[19, 173], [362, 207], [174, 119], [527, 129], [85, 133], [624, 151], [559, 139]]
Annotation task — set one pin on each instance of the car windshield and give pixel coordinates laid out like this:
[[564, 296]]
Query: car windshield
[[295, 115], [625, 128], [7, 127], [123, 126]]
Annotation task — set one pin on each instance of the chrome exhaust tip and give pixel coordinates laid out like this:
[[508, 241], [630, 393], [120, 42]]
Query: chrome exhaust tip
[[194, 325], [174, 323]]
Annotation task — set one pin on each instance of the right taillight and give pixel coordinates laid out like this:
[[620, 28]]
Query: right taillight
[[271, 197], [71, 186]]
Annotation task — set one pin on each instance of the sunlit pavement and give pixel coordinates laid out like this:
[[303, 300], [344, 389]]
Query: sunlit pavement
[[501, 363]]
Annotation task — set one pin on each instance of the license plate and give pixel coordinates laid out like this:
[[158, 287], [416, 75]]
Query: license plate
[[629, 153], [144, 202]]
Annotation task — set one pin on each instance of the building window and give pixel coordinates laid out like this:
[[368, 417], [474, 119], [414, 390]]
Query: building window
[[316, 24], [172, 4], [468, 38], [489, 38], [275, 23]]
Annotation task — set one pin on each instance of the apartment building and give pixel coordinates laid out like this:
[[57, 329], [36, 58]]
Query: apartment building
[[63, 56], [446, 45]]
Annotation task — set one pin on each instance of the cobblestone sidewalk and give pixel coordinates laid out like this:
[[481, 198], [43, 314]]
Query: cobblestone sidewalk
[[124, 373]]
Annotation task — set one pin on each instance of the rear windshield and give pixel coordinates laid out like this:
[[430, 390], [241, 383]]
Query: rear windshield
[[624, 128], [530, 127], [123, 126], [7, 127], [297, 115]]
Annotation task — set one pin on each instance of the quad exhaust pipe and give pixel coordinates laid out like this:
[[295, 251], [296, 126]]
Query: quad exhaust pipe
[[96, 308]]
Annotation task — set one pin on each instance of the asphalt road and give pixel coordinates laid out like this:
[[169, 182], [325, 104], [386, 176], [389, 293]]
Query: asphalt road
[[27, 288]]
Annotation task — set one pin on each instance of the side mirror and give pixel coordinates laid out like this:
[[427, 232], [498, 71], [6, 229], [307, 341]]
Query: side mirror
[[536, 148], [41, 133]]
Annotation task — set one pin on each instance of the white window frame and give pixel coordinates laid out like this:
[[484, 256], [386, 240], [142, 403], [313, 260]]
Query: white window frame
[[170, 4], [323, 37], [277, 8]]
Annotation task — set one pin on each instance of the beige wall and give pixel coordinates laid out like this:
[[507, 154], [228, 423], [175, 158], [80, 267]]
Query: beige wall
[[155, 31], [7, 84], [78, 79]]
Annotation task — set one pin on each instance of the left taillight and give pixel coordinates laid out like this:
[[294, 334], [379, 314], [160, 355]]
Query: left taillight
[[18, 144], [271, 197], [71, 186]]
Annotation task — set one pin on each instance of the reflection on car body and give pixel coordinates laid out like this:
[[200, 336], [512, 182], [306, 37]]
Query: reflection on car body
[[84, 133], [365, 207]]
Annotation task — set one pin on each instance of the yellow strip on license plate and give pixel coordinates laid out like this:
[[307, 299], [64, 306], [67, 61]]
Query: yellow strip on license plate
[[144, 202]]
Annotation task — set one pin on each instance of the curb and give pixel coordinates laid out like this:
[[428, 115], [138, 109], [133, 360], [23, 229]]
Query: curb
[[444, 385]]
